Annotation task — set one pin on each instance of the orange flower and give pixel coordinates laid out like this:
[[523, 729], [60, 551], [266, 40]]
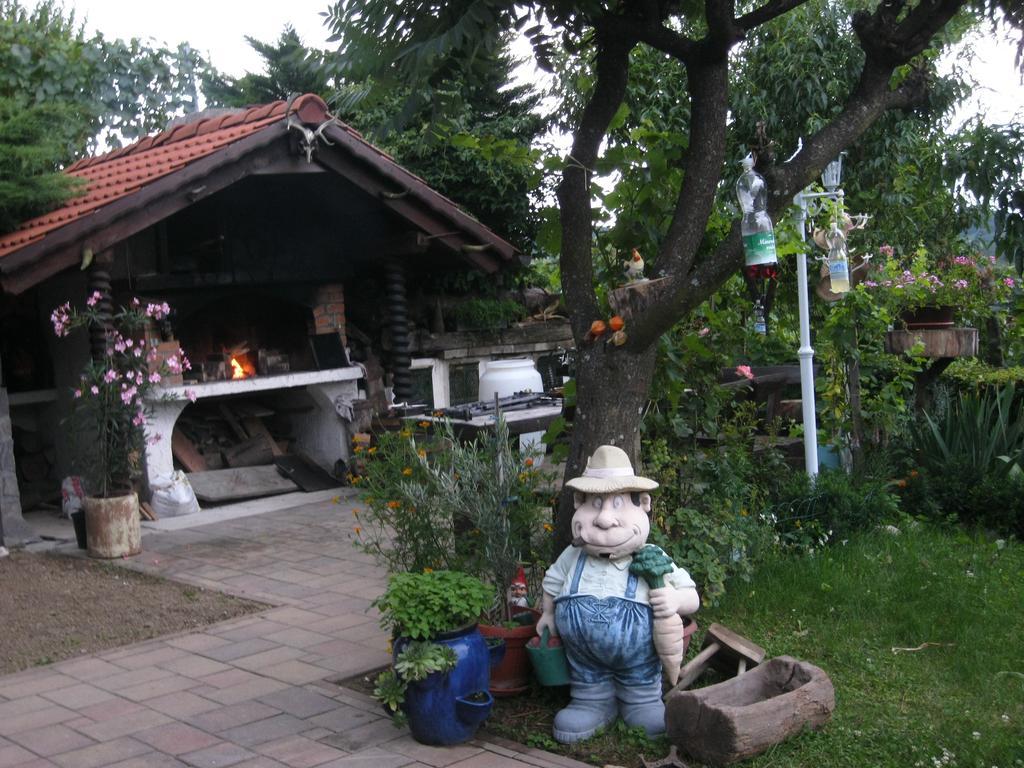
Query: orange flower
[[358, 530], [358, 449], [407, 471], [394, 504], [355, 513], [422, 424], [548, 527], [428, 570], [901, 484], [913, 473], [421, 453], [528, 462], [372, 450], [616, 323]]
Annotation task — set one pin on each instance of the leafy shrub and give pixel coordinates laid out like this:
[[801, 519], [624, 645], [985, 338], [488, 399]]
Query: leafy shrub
[[423, 605], [807, 515], [706, 515], [447, 504]]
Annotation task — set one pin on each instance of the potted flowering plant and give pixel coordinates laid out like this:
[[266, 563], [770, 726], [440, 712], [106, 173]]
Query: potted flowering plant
[[434, 501], [109, 410], [438, 681], [933, 293]]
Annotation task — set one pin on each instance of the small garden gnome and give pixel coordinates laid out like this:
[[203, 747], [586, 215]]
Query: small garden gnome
[[518, 591], [604, 612]]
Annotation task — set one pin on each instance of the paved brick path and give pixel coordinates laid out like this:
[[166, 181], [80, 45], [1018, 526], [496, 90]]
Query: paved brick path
[[251, 693]]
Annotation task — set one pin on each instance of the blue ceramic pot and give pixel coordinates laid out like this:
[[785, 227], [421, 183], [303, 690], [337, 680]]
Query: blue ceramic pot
[[447, 708]]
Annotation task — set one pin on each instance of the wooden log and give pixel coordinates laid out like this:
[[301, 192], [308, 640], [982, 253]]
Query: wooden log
[[746, 715], [232, 420], [250, 453], [937, 342], [256, 428], [633, 300], [146, 511], [185, 451]]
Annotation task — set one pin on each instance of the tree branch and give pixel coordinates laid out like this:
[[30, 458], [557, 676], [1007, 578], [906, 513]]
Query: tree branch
[[767, 12], [576, 262]]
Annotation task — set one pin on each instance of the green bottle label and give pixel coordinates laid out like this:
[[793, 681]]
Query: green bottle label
[[759, 248]]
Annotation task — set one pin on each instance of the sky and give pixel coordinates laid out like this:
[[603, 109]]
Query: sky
[[218, 28]]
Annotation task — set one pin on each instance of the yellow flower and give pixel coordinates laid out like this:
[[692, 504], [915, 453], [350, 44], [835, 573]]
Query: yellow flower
[[421, 453], [358, 449], [437, 414], [335, 499], [422, 424], [405, 433], [372, 450], [798, 524], [356, 480], [743, 513], [428, 570], [548, 527], [407, 471], [358, 530]]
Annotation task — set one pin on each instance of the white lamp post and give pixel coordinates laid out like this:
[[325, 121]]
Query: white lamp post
[[805, 201]]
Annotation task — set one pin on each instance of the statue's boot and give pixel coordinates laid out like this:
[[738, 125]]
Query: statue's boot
[[593, 706], [641, 705]]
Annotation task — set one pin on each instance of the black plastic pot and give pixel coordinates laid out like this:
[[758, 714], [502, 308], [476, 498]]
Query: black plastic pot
[[78, 520]]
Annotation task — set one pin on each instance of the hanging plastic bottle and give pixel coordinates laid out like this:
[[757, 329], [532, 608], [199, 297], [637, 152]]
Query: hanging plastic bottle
[[760, 324], [756, 228], [838, 263]]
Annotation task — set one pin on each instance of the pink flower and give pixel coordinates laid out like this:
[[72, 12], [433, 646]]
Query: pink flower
[[703, 332], [158, 311], [110, 376], [191, 395], [78, 393], [61, 317], [870, 284], [886, 250], [94, 389], [963, 260], [154, 378], [154, 439], [128, 395], [137, 352], [174, 364], [138, 420], [744, 370], [1009, 282], [961, 284]]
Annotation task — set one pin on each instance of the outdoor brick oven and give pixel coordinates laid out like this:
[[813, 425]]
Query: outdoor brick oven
[[278, 236]]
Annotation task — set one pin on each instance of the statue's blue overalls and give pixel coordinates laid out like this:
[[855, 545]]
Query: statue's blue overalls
[[610, 649]]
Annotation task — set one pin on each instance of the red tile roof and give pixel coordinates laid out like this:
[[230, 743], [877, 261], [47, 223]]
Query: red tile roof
[[33, 251], [119, 173]]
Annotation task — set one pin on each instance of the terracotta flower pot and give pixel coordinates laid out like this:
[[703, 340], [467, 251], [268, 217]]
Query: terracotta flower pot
[[512, 675], [112, 526]]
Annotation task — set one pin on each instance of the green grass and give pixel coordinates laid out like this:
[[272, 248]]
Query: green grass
[[847, 607]]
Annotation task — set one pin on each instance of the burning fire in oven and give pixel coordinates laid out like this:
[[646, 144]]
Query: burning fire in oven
[[240, 363], [237, 371]]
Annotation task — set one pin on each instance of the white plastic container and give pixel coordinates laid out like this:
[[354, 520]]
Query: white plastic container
[[505, 378]]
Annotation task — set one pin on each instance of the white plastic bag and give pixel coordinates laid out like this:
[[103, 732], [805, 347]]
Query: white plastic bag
[[71, 495], [173, 495]]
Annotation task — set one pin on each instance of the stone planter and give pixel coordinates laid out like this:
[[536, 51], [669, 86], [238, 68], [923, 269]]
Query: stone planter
[[112, 526]]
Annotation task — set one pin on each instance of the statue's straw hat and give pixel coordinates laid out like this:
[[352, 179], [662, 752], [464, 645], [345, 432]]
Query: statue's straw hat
[[609, 471]]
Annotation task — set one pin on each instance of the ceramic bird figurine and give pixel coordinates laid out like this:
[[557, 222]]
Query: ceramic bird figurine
[[634, 267]]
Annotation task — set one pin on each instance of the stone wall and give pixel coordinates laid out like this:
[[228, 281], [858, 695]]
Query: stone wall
[[15, 531]]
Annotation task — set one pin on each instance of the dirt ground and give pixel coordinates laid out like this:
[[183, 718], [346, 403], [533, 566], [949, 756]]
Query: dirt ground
[[54, 607]]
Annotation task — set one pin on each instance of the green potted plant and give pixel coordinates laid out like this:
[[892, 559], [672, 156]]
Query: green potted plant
[[438, 680], [476, 506], [109, 410], [927, 292]]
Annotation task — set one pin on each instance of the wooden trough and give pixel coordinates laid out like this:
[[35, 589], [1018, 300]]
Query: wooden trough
[[745, 715]]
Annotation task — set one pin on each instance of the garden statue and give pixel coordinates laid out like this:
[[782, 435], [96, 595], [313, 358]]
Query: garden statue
[[616, 609], [518, 592]]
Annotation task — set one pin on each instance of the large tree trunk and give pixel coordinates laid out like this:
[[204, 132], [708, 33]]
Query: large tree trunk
[[612, 385]]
